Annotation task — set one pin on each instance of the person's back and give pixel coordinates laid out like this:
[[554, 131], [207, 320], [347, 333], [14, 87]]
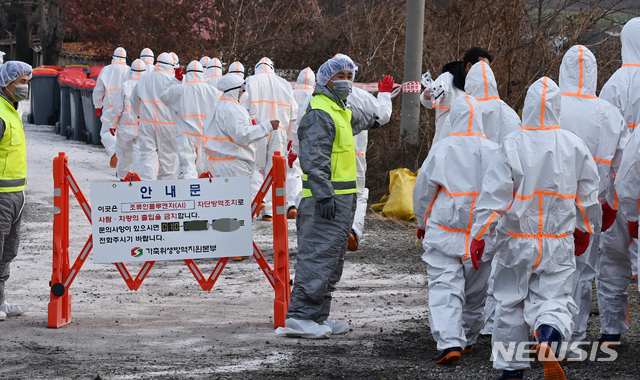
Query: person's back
[[597, 122], [618, 90], [192, 101], [127, 127], [498, 119], [108, 82], [450, 179], [157, 123], [547, 163]]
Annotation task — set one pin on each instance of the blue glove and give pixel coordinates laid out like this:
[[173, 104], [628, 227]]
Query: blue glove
[[327, 208]]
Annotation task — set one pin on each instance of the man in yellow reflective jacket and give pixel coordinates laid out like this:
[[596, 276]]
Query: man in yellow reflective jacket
[[328, 162], [14, 82]]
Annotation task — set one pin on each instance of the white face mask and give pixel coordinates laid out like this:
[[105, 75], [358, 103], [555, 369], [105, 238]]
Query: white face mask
[[21, 92]]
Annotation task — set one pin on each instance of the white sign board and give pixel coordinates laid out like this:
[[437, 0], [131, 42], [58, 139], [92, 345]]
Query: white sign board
[[171, 220]]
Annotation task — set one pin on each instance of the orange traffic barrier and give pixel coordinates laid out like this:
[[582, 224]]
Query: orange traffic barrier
[[59, 313]]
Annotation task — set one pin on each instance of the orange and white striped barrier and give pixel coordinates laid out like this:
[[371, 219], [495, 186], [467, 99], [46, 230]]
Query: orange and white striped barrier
[[59, 313]]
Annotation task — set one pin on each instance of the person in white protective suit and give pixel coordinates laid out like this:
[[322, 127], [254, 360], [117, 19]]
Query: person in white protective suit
[[305, 84], [176, 60], [541, 189], [325, 215], [191, 100], [109, 81], [157, 126], [619, 251], [147, 57], [601, 126], [236, 68], [441, 93], [127, 126], [498, 120], [214, 72], [231, 136], [269, 97], [446, 190]]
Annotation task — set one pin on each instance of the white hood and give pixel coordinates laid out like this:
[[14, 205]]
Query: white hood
[[542, 105], [481, 83], [579, 73], [138, 67], [264, 66], [119, 56], [306, 79], [165, 63], [147, 56], [465, 118], [630, 38], [195, 72], [230, 86], [236, 68], [214, 68]]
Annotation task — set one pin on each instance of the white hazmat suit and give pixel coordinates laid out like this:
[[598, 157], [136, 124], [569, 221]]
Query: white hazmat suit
[[619, 251], [231, 137], [191, 100], [147, 57], [127, 128], [601, 126], [236, 68], [109, 81], [157, 127], [270, 97], [446, 190], [302, 92], [214, 72], [542, 187]]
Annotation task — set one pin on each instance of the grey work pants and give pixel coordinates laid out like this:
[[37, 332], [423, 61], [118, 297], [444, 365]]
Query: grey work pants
[[322, 244], [10, 214]]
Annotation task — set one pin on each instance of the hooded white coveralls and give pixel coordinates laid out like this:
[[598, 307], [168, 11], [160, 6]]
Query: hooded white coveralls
[[601, 126], [543, 187], [147, 57], [127, 128], [498, 120], [231, 137], [213, 72], [157, 127], [302, 92], [443, 103], [270, 97], [618, 251], [109, 81], [446, 190], [191, 101]]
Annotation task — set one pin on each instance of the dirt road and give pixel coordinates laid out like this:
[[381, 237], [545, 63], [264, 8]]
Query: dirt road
[[171, 329]]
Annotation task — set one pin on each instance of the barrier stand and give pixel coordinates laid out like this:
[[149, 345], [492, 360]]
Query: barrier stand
[[59, 313]]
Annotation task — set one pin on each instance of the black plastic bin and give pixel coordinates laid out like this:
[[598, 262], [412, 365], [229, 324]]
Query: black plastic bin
[[64, 121], [45, 97], [92, 122], [77, 129]]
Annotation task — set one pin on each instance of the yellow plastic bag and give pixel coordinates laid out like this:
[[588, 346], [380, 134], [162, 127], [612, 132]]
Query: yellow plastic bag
[[399, 202]]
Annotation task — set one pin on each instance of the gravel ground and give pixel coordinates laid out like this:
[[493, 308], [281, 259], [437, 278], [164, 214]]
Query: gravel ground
[[171, 329]]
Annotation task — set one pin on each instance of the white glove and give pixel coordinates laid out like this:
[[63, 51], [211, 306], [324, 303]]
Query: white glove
[[437, 92], [426, 80]]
